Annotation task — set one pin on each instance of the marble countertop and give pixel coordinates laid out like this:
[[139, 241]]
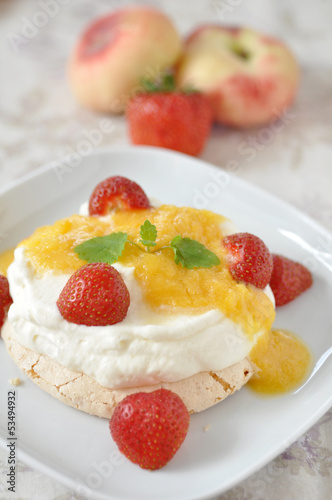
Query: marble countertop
[[40, 121]]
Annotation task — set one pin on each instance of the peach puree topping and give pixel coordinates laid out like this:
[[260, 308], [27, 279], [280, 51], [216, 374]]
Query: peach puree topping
[[282, 362]]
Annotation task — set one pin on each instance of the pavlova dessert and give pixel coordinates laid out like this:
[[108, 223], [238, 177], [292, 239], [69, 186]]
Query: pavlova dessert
[[145, 314]]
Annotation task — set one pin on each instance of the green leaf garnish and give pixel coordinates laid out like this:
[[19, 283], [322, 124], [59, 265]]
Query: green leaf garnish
[[187, 252], [190, 253], [148, 233], [102, 248]]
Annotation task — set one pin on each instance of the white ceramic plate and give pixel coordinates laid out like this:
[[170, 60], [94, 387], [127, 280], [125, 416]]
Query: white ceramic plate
[[246, 431]]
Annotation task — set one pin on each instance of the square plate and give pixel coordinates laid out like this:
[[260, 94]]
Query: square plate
[[246, 431]]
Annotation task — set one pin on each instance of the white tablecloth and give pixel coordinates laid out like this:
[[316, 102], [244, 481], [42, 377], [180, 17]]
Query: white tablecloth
[[41, 121]]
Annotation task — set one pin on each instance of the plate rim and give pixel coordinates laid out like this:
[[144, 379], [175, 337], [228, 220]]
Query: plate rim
[[44, 168]]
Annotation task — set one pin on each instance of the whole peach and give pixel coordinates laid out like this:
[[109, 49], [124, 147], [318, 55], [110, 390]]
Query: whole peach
[[249, 78], [117, 51]]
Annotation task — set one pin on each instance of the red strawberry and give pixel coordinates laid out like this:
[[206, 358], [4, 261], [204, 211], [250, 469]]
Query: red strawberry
[[5, 298], [117, 192], [170, 119], [95, 295], [149, 428], [249, 259], [289, 279]]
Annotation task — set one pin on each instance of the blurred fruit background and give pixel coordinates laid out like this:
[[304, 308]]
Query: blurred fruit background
[[41, 119], [48, 112]]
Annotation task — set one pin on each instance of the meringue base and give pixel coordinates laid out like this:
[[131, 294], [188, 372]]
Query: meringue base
[[82, 392]]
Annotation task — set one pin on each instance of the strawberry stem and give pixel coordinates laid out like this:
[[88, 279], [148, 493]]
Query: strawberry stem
[[165, 83]]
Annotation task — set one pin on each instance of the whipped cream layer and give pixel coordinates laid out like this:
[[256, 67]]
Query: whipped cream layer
[[145, 348]]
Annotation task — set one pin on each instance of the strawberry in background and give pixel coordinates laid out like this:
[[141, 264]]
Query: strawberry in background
[[168, 117]]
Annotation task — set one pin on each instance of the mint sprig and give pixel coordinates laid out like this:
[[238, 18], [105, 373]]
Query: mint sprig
[[148, 234], [187, 252]]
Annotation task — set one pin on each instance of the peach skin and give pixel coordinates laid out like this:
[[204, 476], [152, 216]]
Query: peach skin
[[249, 78], [118, 50]]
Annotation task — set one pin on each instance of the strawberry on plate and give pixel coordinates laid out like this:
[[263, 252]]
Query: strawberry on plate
[[149, 428], [249, 259], [170, 118], [117, 192], [5, 298], [289, 279], [95, 295]]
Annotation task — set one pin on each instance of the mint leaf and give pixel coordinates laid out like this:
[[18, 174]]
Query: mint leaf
[[190, 253], [102, 248], [148, 233]]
